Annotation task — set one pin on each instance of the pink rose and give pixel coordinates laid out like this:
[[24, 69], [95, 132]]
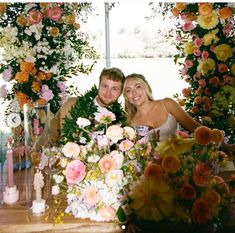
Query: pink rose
[[197, 75], [202, 82], [205, 55], [186, 92], [54, 13], [46, 93], [197, 52], [198, 42], [227, 28], [35, 16], [214, 81], [75, 172], [188, 26], [228, 79], [107, 214], [7, 74], [222, 67], [3, 91], [188, 64], [184, 71]]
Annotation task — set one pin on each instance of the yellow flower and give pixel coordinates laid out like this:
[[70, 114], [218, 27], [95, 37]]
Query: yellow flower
[[206, 67], [208, 21], [211, 37], [223, 52], [232, 68], [189, 48], [174, 145], [151, 199]]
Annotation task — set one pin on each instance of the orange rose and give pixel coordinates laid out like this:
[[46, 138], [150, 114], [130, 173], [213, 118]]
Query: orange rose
[[202, 135], [41, 101], [22, 77], [21, 20], [217, 136], [180, 6], [22, 98], [225, 13], [175, 12], [204, 9], [3, 8], [69, 19], [54, 31], [44, 76], [26, 66], [36, 86]]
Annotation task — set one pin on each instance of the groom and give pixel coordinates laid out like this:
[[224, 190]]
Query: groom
[[63, 125]]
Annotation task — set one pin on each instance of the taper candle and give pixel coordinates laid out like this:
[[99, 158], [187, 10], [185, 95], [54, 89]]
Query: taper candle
[[10, 172]]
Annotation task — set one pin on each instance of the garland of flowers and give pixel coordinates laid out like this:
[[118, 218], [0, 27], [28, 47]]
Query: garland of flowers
[[85, 107], [204, 36], [42, 46], [205, 39]]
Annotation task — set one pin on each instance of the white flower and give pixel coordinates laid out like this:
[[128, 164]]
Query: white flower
[[118, 157], [115, 133], [71, 150], [93, 158], [114, 178], [82, 122], [13, 120], [129, 132], [58, 178]]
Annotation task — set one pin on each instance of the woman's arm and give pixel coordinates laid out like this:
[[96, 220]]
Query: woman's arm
[[180, 115]]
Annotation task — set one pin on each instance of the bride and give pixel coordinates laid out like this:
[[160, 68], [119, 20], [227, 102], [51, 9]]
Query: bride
[[144, 112]]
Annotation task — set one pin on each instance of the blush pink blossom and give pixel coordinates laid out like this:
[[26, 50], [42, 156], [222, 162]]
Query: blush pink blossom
[[199, 91], [197, 52], [61, 86], [205, 55], [228, 79], [188, 26], [107, 163], [71, 150], [222, 67], [184, 71], [36, 127], [55, 190], [7, 74], [182, 134], [186, 92], [188, 64], [35, 16], [198, 42], [75, 172], [202, 82], [54, 13], [126, 145], [91, 195], [107, 214], [102, 141], [46, 93], [3, 91], [214, 81]]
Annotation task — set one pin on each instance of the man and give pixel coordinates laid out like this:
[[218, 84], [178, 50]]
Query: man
[[63, 125]]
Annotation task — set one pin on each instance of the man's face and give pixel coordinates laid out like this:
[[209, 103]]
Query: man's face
[[109, 91]]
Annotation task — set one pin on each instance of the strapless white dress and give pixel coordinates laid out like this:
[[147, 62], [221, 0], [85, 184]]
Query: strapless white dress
[[168, 128]]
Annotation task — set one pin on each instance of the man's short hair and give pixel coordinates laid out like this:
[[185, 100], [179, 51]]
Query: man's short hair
[[114, 74]]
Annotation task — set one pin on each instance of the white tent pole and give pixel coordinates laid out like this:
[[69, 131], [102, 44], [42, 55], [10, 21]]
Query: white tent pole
[[107, 35]]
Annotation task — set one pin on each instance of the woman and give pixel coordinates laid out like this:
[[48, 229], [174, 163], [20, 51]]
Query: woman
[[161, 115]]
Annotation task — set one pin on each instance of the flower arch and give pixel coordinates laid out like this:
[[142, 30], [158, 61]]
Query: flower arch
[[42, 46]]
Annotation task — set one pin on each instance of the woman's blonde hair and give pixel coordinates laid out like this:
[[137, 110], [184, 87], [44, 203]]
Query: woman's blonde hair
[[130, 109]]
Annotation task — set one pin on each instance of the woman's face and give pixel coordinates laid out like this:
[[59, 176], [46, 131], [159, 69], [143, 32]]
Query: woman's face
[[134, 91]]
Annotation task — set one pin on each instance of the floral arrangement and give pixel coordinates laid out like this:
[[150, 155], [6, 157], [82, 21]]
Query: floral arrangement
[[95, 174], [205, 41], [182, 183], [42, 46]]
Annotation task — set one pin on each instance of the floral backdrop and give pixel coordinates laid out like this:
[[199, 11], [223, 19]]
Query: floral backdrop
[[204, 37], [42, 45]]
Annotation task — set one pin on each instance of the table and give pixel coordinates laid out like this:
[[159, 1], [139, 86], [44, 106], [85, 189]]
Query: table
[[17, 218]]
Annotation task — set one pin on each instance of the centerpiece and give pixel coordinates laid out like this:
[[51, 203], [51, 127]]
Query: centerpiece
[[95, 174]]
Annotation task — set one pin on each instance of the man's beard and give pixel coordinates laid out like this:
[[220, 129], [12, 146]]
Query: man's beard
[[102, 101]]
